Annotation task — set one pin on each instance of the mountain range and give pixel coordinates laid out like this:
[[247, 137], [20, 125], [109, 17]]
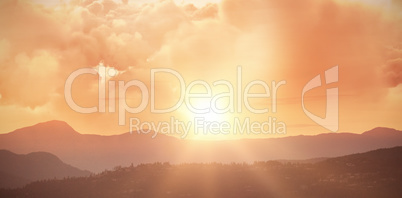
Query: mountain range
[[97, 152], [372, 174]]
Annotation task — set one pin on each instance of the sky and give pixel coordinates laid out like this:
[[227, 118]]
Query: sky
[[42, 43]]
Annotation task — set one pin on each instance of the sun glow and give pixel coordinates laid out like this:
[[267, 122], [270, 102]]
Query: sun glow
[[207, 118]]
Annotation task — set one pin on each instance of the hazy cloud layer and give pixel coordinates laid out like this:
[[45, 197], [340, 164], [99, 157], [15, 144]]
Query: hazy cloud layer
[[273, 40]]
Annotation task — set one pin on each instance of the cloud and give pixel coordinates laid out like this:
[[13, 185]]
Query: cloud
[[393, 72], [30, 80], [391, 69], [95, 7], [208, 11]]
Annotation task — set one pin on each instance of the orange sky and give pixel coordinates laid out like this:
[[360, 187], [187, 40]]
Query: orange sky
[[42, 43]]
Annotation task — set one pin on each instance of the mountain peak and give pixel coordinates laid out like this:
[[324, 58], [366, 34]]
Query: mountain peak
[[380, 130], [53, 123], [50, 127]]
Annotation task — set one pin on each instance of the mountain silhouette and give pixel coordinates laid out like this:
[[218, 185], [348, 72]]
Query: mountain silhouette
[[97, 152], [387, 160], [370, 175], [18, 170]]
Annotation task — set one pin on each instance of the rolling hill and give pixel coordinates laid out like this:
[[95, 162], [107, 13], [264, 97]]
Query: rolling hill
[[18, 170], [97, 153]]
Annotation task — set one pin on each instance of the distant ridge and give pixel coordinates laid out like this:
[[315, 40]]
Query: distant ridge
[[55, 126], [97, 152], [18, 170], [380, 130]]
